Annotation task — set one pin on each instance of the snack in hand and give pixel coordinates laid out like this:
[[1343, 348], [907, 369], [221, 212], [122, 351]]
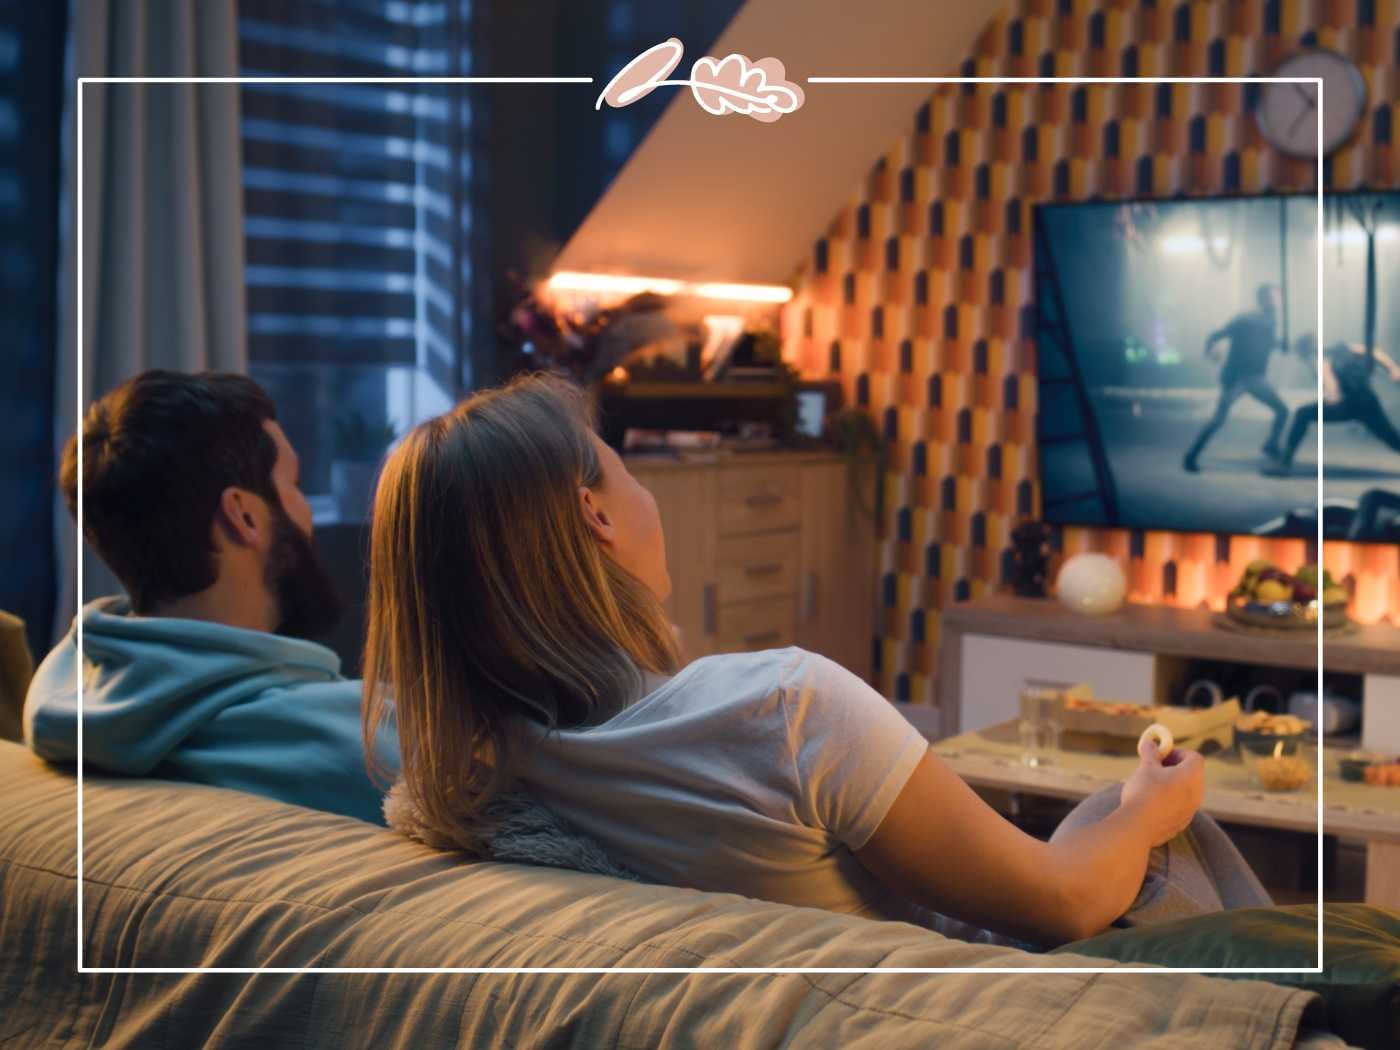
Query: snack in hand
[[1161, 736]]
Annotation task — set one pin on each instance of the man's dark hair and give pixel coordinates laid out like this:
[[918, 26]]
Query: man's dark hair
[[158, 452], [1264, 296]]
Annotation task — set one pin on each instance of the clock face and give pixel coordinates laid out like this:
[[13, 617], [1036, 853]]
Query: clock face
[[1288, 114]]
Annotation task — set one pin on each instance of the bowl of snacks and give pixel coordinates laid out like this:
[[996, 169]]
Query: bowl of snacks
[[1276, 771], [1268, 597], [1275, 749]]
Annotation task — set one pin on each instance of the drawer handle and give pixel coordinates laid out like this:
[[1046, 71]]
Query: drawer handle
[[711, 609], [767, 568], [764, 499], [809, 597], [759, 637]]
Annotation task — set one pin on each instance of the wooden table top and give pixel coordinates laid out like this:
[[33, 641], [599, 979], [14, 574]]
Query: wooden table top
[[991, 757], [1366, 649]]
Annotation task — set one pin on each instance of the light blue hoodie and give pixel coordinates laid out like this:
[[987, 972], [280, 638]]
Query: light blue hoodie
[[192, 700]]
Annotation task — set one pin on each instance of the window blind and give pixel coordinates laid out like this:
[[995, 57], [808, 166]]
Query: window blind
[[357, 221], [31, 119]]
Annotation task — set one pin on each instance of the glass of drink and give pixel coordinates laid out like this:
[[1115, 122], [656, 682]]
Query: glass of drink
[[1040, 724]]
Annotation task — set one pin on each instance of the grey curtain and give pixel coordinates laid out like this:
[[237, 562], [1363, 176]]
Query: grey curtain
[[162, 211]]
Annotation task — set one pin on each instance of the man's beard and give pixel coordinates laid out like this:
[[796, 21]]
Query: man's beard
[[308, 605]]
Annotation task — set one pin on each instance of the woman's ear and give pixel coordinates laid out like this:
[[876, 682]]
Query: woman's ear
[[243, 518], [595, 517]]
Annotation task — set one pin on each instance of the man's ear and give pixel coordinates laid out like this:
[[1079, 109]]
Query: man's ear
[[594, 516], [243, 518]]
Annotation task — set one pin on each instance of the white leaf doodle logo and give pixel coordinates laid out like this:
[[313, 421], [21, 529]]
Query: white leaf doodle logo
[[732, 84]]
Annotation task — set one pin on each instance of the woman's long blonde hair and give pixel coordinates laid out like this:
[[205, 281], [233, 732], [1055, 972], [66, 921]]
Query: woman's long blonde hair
[[492, 603]]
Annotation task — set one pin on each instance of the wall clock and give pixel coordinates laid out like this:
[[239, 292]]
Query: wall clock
[[1288, 113]]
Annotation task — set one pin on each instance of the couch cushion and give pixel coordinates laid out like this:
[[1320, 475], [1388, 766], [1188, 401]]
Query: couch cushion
[[184, 875], [1360, 981], [16, 668]]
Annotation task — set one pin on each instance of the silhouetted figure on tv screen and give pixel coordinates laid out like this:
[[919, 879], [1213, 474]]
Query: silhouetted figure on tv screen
[[1347, 394], [1252, 337]]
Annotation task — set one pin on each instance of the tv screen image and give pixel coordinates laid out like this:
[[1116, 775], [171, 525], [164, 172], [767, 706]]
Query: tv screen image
[[1178, 354]]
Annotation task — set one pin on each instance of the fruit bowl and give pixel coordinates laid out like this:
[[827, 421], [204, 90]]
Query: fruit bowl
[[1268, 597], [1284, 615]]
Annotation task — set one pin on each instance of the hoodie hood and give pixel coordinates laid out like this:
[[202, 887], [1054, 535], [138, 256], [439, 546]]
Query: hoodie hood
[[194, 700]]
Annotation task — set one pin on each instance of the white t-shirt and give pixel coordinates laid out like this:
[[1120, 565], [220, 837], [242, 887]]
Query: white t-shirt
[[751, 773]]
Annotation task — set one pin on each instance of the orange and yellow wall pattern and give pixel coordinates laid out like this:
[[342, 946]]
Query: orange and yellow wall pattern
[[918, 295]]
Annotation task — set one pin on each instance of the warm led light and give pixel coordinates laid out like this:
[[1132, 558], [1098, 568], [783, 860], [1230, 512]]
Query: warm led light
[[567, 280], [756, 293], [573, 281]]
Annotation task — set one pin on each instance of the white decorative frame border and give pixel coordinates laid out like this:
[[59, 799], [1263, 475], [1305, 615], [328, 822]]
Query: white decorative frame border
[[81, 81]]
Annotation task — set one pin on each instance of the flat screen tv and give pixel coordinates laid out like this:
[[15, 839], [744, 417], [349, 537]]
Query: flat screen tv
[[1179, 362]]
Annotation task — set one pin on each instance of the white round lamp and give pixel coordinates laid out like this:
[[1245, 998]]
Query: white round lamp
[[1091, 583]]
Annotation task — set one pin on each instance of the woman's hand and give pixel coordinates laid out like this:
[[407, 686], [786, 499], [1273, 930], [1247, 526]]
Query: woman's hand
[[1164, 795], [944, 847]]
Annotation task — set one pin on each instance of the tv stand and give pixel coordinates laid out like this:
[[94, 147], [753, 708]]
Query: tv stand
[[995, 645]]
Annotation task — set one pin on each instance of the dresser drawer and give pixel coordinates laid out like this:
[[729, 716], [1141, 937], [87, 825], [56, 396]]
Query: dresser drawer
[[768, 623], [759, 566], [752, 499]]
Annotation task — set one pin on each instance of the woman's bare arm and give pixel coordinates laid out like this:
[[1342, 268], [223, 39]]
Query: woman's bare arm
[[941, 846]]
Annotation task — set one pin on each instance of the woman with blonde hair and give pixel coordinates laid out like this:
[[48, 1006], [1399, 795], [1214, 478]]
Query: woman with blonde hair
[[515, 617]]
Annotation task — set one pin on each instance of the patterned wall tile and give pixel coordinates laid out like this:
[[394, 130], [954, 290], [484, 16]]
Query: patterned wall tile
[[917, 297]]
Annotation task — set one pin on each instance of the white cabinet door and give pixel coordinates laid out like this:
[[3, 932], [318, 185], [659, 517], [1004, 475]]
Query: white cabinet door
[[1380, 714], [995, 670]]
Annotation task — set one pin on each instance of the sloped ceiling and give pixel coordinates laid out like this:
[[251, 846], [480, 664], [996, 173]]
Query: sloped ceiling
[[707, 198]]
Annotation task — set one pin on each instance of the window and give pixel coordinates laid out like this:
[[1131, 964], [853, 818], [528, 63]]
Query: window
[[367, 207], [357, 217], [31, 108]]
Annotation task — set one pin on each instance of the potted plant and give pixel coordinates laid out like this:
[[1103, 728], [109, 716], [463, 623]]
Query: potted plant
[[358, 447], [583, 344], [853, 433]]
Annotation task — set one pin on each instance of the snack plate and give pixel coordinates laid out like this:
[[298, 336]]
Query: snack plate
[[1116, 731]]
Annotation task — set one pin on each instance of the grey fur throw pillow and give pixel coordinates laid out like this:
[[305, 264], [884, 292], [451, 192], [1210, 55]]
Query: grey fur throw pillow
[[524, 831]]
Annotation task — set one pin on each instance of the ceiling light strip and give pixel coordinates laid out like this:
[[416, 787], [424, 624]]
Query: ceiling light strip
[[574, 281]]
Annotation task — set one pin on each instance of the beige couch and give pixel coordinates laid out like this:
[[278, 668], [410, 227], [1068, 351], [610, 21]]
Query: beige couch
[[177, 875]]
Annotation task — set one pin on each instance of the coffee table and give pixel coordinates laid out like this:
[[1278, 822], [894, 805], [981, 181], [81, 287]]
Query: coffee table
[[991, 758]]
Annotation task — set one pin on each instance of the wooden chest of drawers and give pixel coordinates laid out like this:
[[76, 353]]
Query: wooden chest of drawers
[[766, 551]]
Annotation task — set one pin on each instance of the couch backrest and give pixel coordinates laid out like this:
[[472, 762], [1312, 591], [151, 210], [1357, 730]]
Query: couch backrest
[[16, 668], [179, 875]]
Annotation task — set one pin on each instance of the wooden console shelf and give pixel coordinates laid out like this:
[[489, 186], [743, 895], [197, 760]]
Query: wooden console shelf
[[1164, 629]]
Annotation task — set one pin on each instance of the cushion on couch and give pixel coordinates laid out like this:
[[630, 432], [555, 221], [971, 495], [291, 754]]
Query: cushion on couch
[[184, 875], [1360, 980], [16, 668]]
